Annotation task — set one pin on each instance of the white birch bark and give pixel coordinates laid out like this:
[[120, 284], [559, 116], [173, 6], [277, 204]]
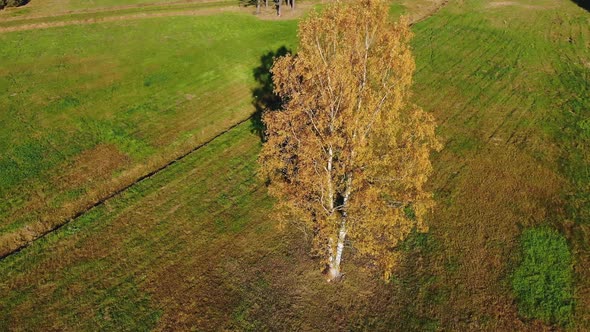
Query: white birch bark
[[336, 258]]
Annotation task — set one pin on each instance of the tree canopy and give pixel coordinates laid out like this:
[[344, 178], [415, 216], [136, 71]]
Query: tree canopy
[[348, 153]]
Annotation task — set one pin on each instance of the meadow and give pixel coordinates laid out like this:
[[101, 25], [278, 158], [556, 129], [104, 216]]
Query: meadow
[[87, 109], [53, 8]]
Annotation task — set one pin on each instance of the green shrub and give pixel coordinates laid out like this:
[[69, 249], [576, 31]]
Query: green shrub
[[543, 280]]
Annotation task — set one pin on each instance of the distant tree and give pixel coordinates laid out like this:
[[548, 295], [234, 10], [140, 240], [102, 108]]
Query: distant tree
[[258, 4], [12, 3], [349, 154], [291, 3], [247, 3]]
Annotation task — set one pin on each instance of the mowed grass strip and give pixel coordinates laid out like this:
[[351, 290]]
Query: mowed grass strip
[[88, 109]]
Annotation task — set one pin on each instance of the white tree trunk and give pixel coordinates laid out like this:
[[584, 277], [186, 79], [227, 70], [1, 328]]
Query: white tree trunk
[[334, 273], [340, 247]]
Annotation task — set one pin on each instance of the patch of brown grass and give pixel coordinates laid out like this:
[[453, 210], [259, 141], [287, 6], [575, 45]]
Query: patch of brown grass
[[91, 166]]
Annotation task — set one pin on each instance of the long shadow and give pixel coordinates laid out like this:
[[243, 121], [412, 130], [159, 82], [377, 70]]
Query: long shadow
[[583, 4], [263, 97]]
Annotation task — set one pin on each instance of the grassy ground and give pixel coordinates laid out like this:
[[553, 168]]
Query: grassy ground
[[40, 21], [63, 7], [86, 114], [193, 247], [508, 83]]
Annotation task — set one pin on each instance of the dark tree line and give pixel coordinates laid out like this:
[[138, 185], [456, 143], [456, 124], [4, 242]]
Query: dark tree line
[[278, 4], [12, 3]]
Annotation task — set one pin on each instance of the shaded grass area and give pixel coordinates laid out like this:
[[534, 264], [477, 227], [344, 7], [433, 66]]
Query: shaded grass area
[[148, 89]]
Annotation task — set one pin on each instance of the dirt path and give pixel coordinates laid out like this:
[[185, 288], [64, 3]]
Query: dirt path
[[138, 16], [114, 9]]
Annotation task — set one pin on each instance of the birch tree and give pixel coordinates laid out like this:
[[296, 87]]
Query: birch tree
[[348, 154]]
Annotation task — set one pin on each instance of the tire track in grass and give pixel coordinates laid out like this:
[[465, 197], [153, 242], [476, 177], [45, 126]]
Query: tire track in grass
[[490, 88], [483, 89], [474, 52], [122, 190]]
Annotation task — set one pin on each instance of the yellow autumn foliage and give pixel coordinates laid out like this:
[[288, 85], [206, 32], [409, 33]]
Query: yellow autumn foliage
[[349, 153]]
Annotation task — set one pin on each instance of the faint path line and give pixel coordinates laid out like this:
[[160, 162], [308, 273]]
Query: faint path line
[[430, 13], [115, 9], [121, 190]]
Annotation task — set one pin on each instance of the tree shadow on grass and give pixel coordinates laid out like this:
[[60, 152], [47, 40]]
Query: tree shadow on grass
[[263, 97], [583, 4]]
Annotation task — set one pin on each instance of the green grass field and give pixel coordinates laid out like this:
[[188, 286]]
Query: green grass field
[[51, 8], [89, 108], [89, 112]]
